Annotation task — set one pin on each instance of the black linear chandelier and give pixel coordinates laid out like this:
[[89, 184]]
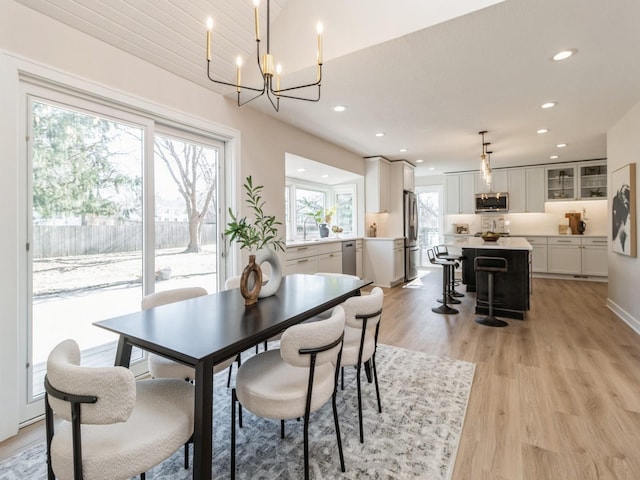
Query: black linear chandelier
[[269, 71]]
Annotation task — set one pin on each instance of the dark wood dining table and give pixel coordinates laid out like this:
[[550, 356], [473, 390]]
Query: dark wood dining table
[[207, 330]]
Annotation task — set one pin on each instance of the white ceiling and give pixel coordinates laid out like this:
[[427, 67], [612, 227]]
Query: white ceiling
[[428, 74]]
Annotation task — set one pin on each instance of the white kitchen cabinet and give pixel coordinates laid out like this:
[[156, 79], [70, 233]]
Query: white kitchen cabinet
[[592, 179], [452, 194], [526, 190], [382, 257], [582, 181], [561, 182], [517, 190], [534, 189], [302, 265], [564, 255], [460, 193], [539, 254], [330, 257], [408, 177], [594, 256], [398, 260], [499, 182], [317, 257], [359, 253], [376, 179]]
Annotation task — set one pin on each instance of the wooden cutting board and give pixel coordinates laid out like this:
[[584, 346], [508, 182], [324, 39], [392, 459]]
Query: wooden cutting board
[[574, 219]]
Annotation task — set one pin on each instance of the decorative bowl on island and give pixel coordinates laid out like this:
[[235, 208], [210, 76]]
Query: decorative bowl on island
[[490, 236]]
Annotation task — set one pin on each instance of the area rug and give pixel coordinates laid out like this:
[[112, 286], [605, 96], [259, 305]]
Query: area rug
[[424, 401]]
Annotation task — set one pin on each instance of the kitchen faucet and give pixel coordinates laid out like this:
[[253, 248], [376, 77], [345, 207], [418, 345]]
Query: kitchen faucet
[[304, 228]]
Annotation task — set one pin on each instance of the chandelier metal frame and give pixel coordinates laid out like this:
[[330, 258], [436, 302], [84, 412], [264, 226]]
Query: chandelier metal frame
[[266, 68]]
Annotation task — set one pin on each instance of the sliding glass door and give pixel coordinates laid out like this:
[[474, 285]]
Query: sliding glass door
[[117, 207]]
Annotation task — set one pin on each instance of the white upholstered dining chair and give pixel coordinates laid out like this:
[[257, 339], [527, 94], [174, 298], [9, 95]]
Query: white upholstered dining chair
[[294, 380], [159, 366], [362, 317], [112, 427]]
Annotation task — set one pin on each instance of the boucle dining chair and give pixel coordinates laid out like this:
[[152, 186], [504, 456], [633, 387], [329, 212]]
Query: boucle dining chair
[[162, 367], [362, 318], [293, 381], [111, 427]]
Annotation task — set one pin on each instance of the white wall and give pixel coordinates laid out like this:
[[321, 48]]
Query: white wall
[[623, 145], [32, 42]]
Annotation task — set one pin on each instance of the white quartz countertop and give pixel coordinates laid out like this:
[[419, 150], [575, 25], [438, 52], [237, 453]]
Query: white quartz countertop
[[382, 238], [503, 243], [316, 241]]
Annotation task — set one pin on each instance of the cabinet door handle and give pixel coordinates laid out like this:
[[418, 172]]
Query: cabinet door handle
[[564, 241], [304, 260]]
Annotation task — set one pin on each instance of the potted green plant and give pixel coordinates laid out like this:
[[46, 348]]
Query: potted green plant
[[262, 239], [322, 217]]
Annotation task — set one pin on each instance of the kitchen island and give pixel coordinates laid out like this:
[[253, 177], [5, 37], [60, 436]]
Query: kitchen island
[[511, 289]]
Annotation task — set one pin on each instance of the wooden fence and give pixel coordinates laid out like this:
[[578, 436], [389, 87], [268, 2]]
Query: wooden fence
[[72, 240]]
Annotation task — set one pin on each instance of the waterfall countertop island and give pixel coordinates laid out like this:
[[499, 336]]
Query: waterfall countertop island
[[511, 289]]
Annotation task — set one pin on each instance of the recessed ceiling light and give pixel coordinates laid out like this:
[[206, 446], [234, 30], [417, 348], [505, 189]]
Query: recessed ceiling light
[[339, 108], [380, 134], [325, 176], [553, 157], [419, 160], [542, 130], [564, 54], [300, 170], [548, 105], [431, 168], [404, 150], [561, 145]]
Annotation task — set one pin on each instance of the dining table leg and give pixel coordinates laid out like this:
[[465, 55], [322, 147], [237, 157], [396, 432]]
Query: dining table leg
[[123, 353], [203, 421]]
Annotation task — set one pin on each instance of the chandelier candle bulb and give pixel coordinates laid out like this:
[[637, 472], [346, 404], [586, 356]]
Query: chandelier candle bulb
[[256, 15], [278, 72], [238, 73], [209, 28], [319, 29]]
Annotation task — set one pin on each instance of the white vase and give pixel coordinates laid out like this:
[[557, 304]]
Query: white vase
[[267, 255]]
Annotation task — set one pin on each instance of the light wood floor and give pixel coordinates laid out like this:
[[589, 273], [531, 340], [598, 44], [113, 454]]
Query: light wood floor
[[556, 396]]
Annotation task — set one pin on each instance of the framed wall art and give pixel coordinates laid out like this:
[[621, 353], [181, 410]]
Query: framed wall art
[[623, 210]]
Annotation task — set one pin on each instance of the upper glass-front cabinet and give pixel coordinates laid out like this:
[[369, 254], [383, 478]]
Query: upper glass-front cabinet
[[578, 181], [561, 183], [593, 181]]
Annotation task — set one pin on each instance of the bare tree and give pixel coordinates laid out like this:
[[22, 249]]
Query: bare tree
[[195, 176]]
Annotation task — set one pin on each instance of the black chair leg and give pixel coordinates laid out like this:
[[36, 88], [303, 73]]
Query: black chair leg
[[342, 383], [186, 456], [360, 406], [335, 420], [281, 428], [367, 371], [306, 446], [375, 377], [143, 476], [233, 433]]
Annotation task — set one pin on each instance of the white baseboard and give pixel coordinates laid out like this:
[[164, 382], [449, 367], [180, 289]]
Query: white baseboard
[[625, 316]]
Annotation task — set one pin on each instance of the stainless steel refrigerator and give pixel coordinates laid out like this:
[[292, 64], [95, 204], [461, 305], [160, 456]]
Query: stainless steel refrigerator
[[411, 249]]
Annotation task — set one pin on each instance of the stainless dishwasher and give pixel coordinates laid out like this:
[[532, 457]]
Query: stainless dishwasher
[[349, 257]]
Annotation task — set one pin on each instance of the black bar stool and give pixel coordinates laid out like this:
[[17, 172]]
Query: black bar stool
[[444, 308], [442, 252], [491, 265]]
